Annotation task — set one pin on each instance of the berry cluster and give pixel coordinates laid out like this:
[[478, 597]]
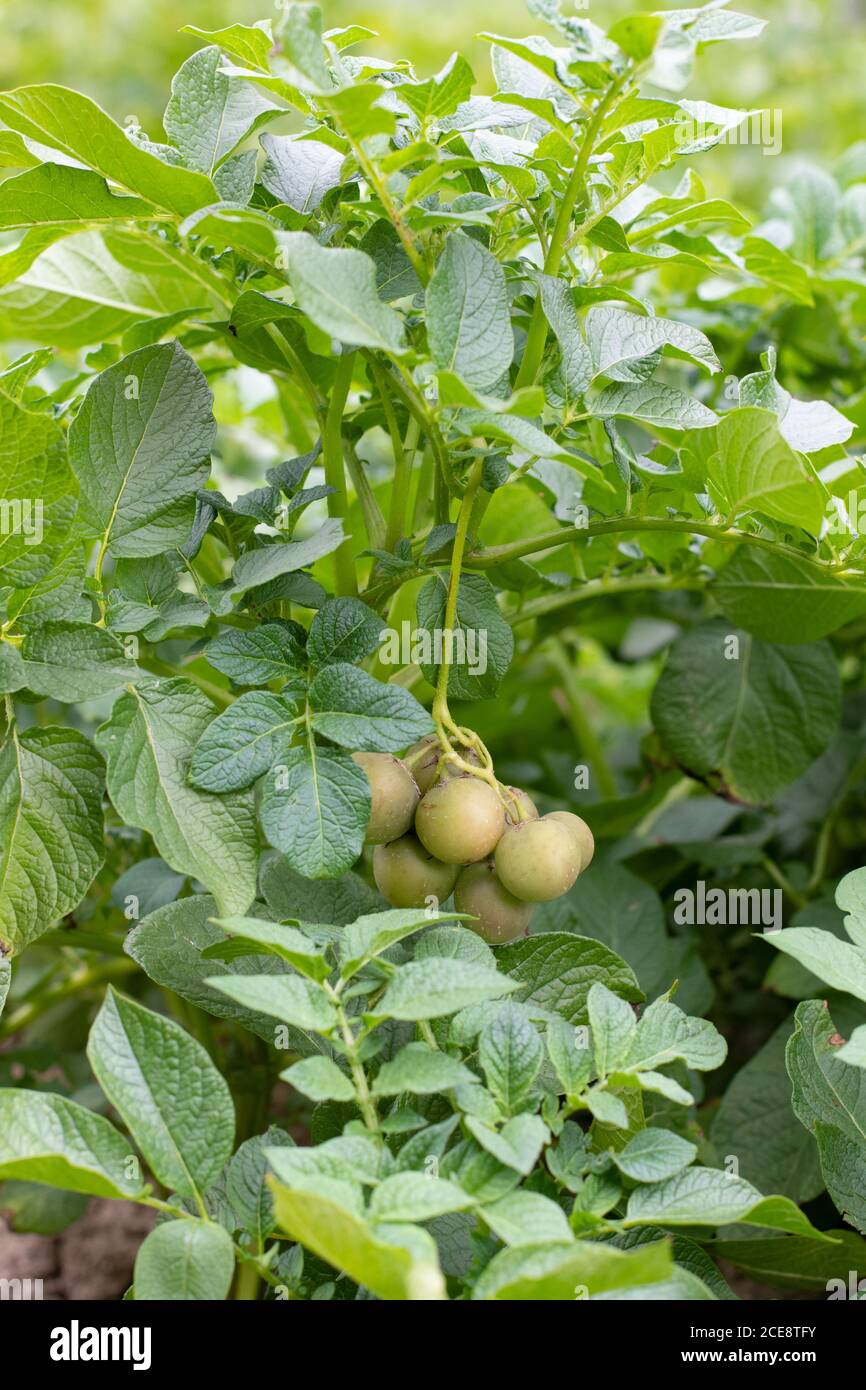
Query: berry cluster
[[441, 823]]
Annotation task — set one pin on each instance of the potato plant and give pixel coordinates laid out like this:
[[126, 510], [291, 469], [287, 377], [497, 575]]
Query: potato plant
[[432, 597]]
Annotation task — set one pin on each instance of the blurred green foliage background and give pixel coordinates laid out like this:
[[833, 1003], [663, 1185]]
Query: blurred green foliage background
[[808, 63]]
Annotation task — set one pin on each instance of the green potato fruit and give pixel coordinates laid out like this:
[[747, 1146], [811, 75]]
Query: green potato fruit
[[460, 819], [395, 796], [538, 860], [408, 876], [500, 916], [423, 759], [525, 809], [581, 832]]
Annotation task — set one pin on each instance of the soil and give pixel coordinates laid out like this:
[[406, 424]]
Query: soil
[[91, 1260]]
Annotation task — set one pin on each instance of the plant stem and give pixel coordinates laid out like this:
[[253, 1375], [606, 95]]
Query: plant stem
[[600, 588], [366, 1103], [549, 540], [440, 700], [778, 876], [247, 1282], [220, 697], [537, 336], [374, 521], [335, 475]]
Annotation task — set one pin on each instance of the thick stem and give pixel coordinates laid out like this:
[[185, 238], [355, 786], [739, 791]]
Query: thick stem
[[537, 336], [440, 702], [549, 540], [335, 474]]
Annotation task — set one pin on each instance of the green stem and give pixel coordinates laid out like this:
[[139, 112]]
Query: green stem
[[335, 476], [440, 700], [537, 336], [374, 521], [779, 877], [248, 1281], [402, 458], [549, 540], [600, 588], [394, 215]]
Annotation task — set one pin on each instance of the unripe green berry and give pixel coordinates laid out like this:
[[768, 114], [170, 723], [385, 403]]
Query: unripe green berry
[[460, 819], [394, 795]]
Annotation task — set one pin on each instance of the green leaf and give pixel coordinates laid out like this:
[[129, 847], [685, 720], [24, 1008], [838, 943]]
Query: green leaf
[[288, 998], [55, 195], [755, 469], [147, 743], [552, 1272], [75, 125], [266, 653], [468, 315], [344, 629], [665, 1034], [299, 172], [94, 284], [607, 1109], [249, 1196], [5, 980], [653, 1155], [51, 785], [708, 1197], [168, 1092], [797, 1262], [210, 114], [270, 562], [619, 341], [421, 1071], [613, 1027], [510, 1053], [336, 288], [252, 43], [32, 466], [441, 94], [573, 1064], [748, 716], [315, 808], [139, 445], [390, 1267], [783, 598], [47, 1138], [558, 970], [482, 644], [651, 403], [275, 938], [169, 945], [75, 661], [843, 1164], [838, 963], [184, 1260], [437, 986], [320, 1079], [517, 1144], [244, 741], [527, 1218], [755, 1122], [356, 711], [374, 932], [826, 1089], [415, 1197], [575, 357], [300, 34]]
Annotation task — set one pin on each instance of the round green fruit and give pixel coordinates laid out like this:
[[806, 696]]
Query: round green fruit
[[408, 876], [394, 794], [500, 916], [423, 759], [460, 819], [581, 832], [524, 809], [538, 860]]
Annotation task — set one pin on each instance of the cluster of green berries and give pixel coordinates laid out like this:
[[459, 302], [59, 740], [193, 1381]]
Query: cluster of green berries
[[438, 829]]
